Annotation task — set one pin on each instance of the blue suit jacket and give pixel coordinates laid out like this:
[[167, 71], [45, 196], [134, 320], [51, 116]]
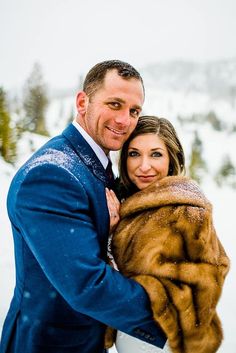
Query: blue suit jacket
[[65, 292]]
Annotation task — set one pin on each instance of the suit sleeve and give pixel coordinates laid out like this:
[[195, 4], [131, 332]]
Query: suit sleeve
[[54, 216]]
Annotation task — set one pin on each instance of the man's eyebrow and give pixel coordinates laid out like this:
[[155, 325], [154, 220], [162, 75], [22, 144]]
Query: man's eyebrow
[[137, 107], [116, 99]]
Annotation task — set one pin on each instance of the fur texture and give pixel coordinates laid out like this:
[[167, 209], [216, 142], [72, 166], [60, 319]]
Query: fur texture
[[167, 242]]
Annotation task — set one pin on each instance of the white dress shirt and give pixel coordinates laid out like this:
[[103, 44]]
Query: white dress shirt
[[96, 148]]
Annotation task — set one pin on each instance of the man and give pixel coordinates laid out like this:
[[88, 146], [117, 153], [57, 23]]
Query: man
[[65, 291]]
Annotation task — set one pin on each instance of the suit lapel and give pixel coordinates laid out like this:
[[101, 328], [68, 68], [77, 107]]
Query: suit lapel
[[86, 153]]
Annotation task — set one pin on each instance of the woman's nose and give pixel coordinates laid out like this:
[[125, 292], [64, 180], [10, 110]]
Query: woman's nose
[[145, 165]]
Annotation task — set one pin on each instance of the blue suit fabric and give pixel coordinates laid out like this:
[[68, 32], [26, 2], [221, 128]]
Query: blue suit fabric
[[65, 291]]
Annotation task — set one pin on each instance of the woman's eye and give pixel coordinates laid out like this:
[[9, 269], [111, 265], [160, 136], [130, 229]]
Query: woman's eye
[[156, 154], [133, 154]]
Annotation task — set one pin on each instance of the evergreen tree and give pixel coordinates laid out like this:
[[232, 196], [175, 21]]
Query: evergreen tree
[[226, 174], [35, 102], [197, 165], [233, 128], [7, 135], [215, 122]]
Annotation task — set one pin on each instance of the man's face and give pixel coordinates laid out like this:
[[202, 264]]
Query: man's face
[[111, 114]]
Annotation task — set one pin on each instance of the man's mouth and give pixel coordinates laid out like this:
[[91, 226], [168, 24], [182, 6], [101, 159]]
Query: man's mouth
[[117, 132]]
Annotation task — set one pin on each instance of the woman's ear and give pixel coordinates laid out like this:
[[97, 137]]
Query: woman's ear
[[82, 103]]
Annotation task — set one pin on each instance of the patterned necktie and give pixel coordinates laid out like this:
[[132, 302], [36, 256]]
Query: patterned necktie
[[110, 175]]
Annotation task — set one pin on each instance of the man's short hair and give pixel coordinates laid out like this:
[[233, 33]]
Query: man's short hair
[[96, 75]]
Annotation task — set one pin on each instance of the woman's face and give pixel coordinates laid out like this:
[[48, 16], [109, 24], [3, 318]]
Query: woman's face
[[148, 160]]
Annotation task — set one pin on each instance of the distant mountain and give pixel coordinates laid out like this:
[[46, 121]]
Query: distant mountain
[[217, 78]]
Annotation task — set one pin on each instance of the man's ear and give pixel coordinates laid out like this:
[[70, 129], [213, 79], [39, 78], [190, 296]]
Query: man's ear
[[82, 103]]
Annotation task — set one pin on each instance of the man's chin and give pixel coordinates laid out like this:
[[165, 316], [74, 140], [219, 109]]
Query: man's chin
[[116, 147]]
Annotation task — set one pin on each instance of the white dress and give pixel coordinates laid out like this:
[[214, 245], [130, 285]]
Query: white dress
[[128, 344]]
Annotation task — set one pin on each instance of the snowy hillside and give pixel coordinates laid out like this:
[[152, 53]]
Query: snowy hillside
[[216, 78], [176, 91]]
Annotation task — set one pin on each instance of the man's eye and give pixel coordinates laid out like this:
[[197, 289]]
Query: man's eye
[[133, 154], [135, 112], [114, 105]]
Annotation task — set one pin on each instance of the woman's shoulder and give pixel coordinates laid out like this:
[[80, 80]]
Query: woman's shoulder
[[171, 190]]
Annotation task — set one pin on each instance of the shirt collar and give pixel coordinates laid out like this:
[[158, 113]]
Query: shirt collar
[[96, 148]]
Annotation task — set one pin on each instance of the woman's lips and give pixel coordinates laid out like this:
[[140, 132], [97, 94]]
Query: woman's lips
[[146, 178]]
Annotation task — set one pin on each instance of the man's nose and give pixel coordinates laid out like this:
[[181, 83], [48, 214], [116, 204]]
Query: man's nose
[[123, 118]]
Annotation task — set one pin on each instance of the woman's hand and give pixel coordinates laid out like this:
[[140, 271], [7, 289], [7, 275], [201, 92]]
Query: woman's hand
[[113, 205]]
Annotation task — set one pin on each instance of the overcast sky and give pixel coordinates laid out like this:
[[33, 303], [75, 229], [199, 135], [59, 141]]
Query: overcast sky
[[67, 37]]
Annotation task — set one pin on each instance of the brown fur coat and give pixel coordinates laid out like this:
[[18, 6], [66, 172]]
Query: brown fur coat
[[167, 242]]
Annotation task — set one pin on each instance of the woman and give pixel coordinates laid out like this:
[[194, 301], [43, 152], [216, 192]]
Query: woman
[[166, 241]]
